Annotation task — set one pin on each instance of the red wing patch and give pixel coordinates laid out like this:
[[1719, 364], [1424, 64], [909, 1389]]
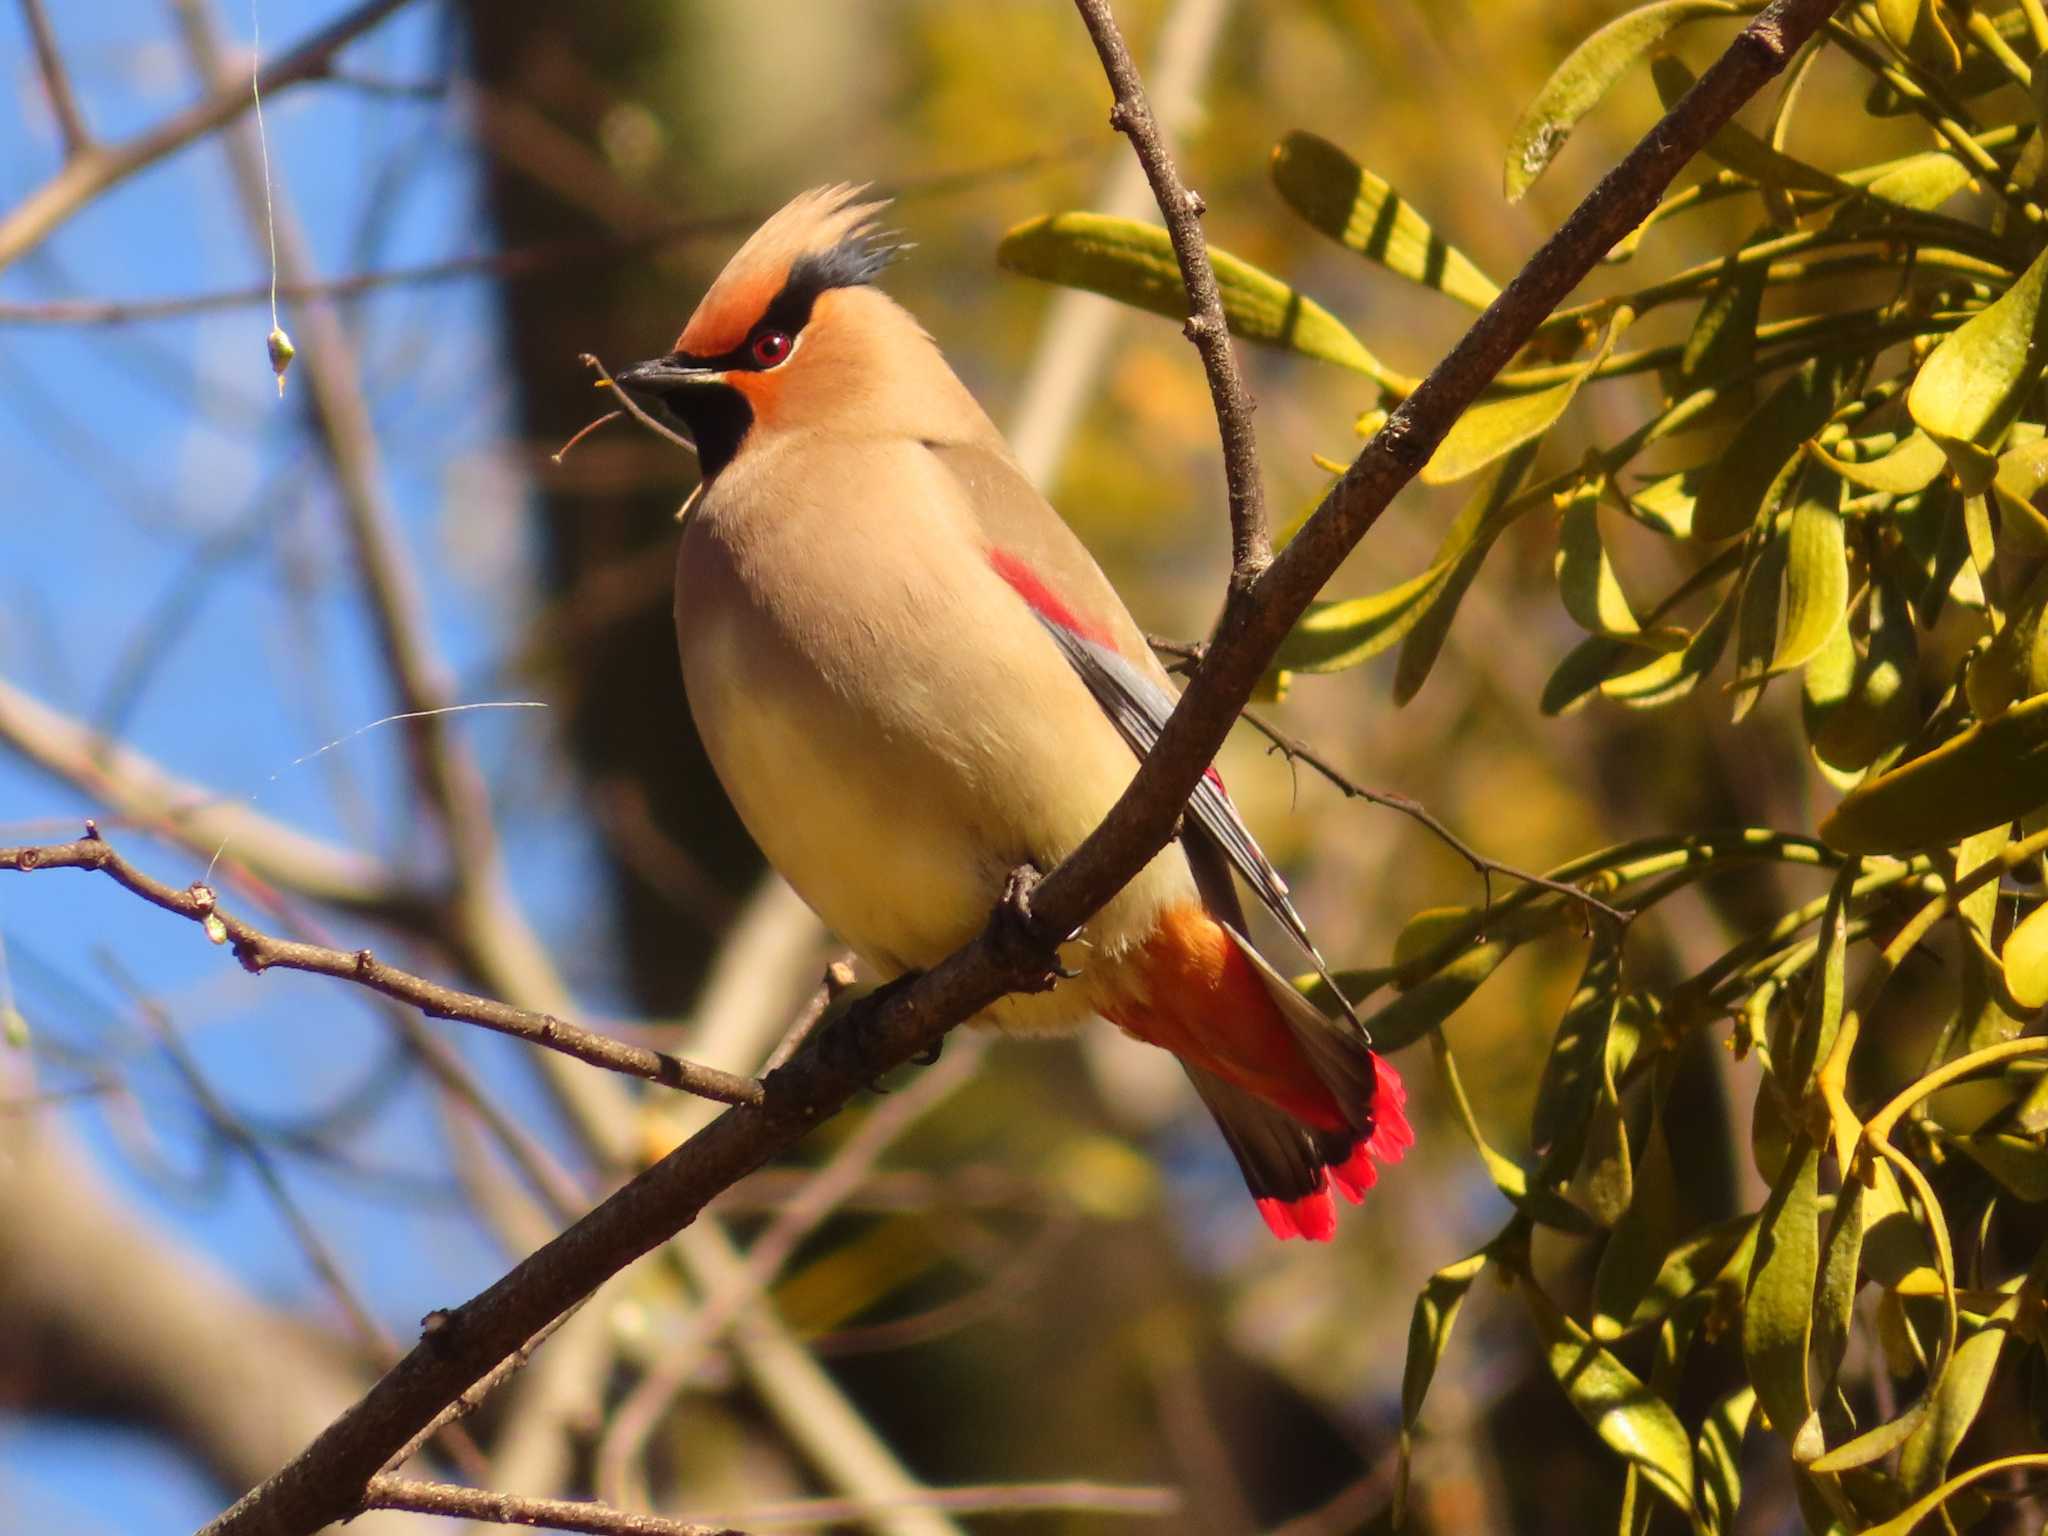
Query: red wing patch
[[1032, 588]]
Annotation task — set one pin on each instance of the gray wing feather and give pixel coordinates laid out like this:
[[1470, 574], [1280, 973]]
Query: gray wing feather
[[1138, 707]]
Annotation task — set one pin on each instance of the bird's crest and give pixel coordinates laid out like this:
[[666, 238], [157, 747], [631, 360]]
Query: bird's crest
[[824, 238]]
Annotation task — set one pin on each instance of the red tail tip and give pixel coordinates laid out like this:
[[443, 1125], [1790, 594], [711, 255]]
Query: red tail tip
[[1314, 1216]]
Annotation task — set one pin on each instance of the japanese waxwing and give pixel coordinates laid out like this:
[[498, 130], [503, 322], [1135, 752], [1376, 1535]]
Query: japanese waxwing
[[912, 678]]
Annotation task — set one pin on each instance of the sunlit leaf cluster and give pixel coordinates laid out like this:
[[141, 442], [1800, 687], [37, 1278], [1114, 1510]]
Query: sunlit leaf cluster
[[1836, 452]]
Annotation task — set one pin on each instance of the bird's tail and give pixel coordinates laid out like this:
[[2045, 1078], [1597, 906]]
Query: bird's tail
[[1304, 1102]]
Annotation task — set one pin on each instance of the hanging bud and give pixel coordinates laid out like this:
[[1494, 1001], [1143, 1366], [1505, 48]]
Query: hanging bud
[[281, 354]]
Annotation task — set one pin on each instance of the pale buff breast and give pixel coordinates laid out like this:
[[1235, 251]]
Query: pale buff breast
[[892, 724]]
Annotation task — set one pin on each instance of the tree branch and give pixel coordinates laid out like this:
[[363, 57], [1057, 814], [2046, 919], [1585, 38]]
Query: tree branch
[[259, 951], [327, 1481], [1251, 544], [387, 1492], [56, 80], [137, 789], [92, 171], [483, 921]]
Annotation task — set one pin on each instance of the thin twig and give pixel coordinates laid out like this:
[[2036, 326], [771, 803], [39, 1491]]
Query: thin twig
[[86, 175], [1295, 750], [481, 919], [638, 1415], [139, 791], [1251, 545], [838, 980], [467, 1402], [520, 261], [1067, 359], [388, 1492], [633, 407], [326, 1481], [259, 951], [1079, 1496], [57, 80], [1022, 1270], [229, 1127]]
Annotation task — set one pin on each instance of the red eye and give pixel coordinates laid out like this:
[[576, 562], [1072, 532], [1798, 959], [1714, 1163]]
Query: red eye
[[771, 347]]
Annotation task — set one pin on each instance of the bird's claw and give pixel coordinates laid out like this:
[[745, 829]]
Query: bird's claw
[[1023, 940], [842, 1043]]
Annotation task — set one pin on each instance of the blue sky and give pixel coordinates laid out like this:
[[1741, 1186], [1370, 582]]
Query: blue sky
[[170, 567]]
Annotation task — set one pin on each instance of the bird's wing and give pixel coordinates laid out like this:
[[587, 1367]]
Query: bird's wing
[[1034, 551]]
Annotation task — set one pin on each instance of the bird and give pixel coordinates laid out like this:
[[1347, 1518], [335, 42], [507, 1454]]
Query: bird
[[912, 679]]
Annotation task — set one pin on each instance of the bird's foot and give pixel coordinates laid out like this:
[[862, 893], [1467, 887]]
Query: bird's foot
[[844, 1043], [1023, 943]]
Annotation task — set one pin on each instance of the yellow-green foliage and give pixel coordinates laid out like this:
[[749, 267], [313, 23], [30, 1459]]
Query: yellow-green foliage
[[1827, 443]]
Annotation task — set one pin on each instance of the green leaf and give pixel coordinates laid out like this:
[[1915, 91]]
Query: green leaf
[[1677, 673], [1921, 183], [1605, 1180], [1915, 29], [1578, 677], [2022, 471], [1134, 263], [1735, 147], [1819, 1018], [1333, 636], [1429, 1330], [1495, 427], [1586, 75], [1859, 705], [1973, 385], [1633, 1421], [1766, 449], [1909, 467], [1538, 1203], [1707, 1258], [1461, 952], [1991, 773], [1840, 1264], [1777, 1314], [1413, 1014], [1953, 1408], [1667, 504], [2019, 1163], [2025, 959], [1493, 505], [1723, 335], [1634, 1255], [1816, 574], [1875, 1443], [1362, 213], [1572, 1075], [2015, 663], [1756, 626], [1894, 1244], [1929, 558], [1585, 576], [1718, 1457], [1429, 1334]]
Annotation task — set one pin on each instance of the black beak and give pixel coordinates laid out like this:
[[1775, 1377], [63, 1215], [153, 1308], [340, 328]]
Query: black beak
[[665, 375]]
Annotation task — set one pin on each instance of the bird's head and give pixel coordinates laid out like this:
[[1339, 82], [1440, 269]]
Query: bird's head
[[792, 338]]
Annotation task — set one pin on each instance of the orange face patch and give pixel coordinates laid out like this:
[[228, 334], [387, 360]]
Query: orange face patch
[[761, 391]]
